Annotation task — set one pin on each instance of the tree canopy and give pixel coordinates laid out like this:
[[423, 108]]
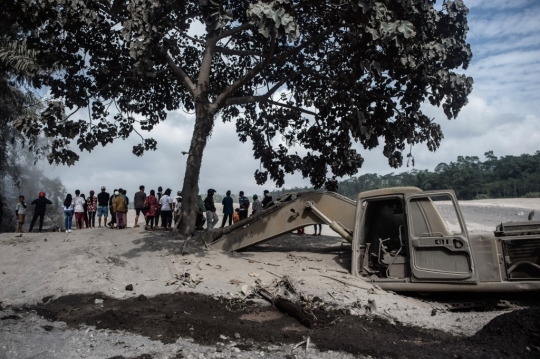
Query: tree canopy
[[316, 74], [468, 176]]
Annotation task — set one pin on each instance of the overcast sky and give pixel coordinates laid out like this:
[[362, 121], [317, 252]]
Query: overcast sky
[[502, 115]]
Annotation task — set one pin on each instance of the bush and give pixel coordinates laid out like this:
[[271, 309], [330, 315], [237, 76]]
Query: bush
[[532, 195], [482, 196]]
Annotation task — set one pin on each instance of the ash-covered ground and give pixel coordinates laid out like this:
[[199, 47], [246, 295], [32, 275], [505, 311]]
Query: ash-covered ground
[[64, 296]]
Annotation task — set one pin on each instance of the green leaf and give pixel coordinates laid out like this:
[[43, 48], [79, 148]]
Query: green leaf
[[388, 27], [380, 11], [365, 5], [406, 28]]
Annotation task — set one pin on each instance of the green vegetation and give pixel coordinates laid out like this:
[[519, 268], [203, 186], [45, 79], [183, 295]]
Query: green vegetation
[[18, 153], [321, 75], [470, 178]]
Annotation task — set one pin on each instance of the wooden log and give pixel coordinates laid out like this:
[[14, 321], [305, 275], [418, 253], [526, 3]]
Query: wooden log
[[294, 310]]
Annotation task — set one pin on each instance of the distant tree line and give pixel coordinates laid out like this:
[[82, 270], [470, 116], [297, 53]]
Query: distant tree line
[[470, 178]]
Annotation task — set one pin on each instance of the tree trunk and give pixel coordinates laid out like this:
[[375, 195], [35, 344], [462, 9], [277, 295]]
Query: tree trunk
[[203, 126]]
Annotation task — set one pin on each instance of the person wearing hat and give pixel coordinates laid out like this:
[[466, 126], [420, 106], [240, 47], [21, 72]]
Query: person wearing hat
[[267, 198], [103, 206], [211, 216], [228, 209], [257, 205], [119, 208], [39, 210]]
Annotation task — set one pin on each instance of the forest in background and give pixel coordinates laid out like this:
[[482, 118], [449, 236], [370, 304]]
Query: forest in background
[[468, 176], [19, 174]]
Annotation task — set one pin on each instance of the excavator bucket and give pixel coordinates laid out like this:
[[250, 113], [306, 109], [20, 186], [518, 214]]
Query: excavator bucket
[[287, 213]]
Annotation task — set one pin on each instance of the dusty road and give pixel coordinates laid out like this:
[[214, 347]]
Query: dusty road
[[64, 296]]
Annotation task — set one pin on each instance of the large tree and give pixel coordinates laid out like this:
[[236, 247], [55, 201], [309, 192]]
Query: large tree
[[318, 74]]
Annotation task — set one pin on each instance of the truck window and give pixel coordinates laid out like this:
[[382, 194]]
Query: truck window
[[434, 216], [383, 219]]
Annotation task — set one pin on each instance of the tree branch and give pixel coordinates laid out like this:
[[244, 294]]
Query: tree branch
[[261, 98], [299, 48], [292, 107], [230, 32], [190, 37], [227, 51], [181, 74], [206, 67], [245, 100], [249, 75], [107, 11]]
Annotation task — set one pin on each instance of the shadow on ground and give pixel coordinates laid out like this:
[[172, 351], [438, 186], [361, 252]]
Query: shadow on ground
[[207, 320]]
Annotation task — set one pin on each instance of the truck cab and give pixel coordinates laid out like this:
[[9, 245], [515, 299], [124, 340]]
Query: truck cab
[[408, 239]]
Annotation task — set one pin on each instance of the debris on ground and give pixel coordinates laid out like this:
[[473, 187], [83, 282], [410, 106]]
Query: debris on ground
[[116, 261], [256, 261], [186, 279], [296, 258], [186, 262]]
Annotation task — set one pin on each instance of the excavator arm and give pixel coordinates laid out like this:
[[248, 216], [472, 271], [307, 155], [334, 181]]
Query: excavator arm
[[287, 213]]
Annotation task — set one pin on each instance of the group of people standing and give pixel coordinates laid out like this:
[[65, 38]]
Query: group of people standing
[[230, 214], [39, 212], [152, 207], [84, 209]]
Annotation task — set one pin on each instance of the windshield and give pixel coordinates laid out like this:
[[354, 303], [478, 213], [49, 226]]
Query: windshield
[[434, 216]]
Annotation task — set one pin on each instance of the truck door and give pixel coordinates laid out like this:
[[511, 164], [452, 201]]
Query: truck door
[[438, 239]]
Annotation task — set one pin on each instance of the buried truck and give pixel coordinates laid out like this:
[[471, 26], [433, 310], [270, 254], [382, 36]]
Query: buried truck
[[403, 239]]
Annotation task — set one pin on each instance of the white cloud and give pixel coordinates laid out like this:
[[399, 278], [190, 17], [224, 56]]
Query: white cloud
[[497, 4], [495, 46], [503, 24]]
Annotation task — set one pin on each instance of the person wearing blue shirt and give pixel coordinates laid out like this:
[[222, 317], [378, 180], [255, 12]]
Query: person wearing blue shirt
[[243, 201], [228, 209]]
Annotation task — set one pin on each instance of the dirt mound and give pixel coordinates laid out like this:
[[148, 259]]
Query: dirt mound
[[207, 320], [514, 332]]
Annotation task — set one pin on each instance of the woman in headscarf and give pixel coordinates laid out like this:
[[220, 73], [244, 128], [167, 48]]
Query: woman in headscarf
[[151, 205]]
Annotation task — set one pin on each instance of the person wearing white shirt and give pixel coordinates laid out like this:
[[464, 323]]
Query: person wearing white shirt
[[166, 203], [177, 208], [79, 209]]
